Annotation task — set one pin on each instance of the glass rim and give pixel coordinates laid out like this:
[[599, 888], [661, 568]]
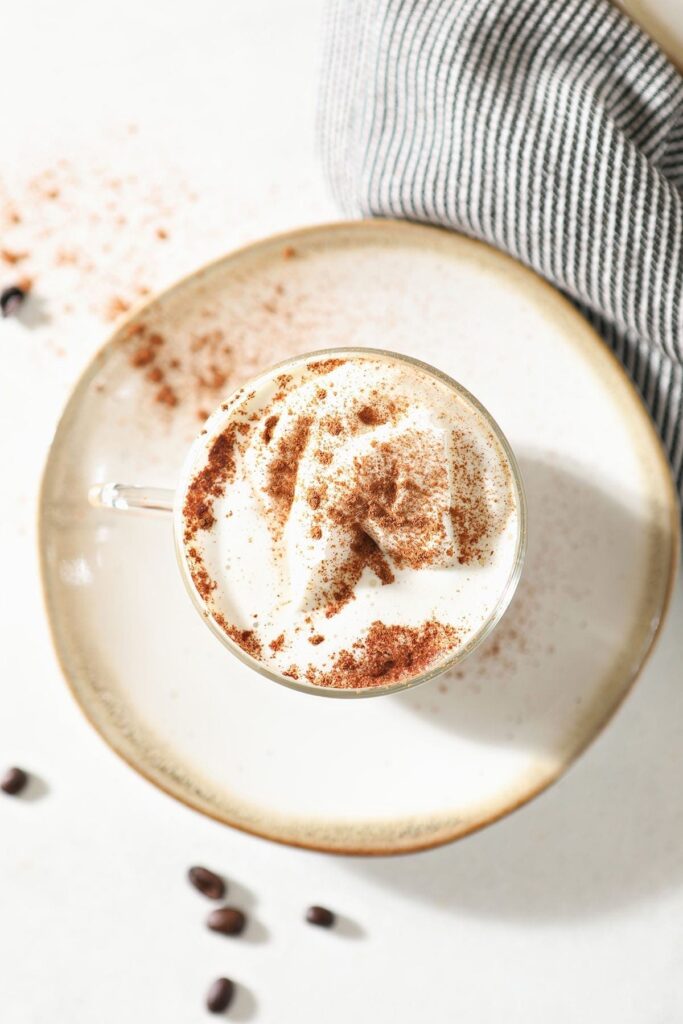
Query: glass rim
[[440, 667]]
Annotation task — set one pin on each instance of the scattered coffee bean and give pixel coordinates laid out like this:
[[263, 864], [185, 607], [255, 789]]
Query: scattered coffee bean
[[11, 299], [227, 920], [219, 996], [207, 882], [321, 916], [13, 781]]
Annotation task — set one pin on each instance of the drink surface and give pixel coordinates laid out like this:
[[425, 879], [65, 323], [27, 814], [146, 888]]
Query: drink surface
[[350, 522]]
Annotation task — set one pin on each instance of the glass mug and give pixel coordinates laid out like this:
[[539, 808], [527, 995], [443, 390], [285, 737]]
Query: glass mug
[[121, 497]]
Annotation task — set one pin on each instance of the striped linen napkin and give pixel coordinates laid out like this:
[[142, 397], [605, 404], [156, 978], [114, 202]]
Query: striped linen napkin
[[551, 128]]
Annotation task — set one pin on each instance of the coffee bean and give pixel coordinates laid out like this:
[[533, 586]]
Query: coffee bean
[[321, 916], [207, 882], [11, 299], [13, 781], [219, 996], [227, 920]]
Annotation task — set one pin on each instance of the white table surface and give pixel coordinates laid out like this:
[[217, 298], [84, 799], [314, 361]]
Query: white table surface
[[569, 911]]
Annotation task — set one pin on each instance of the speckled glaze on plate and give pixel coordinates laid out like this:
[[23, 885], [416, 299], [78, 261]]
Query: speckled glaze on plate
[[419, 768]]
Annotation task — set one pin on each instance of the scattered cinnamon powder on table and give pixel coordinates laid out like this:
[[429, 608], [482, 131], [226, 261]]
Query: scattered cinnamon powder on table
[[12, 257], [116, 307], [86, 232], [387, 654]]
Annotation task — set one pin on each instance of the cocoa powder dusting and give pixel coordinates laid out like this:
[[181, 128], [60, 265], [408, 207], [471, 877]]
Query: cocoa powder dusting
[[387, 654]]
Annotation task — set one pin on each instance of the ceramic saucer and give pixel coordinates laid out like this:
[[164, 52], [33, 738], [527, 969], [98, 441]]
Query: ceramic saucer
[[401, 772]]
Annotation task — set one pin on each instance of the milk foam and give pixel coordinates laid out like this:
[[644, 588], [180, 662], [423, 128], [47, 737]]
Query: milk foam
[[360, 490]]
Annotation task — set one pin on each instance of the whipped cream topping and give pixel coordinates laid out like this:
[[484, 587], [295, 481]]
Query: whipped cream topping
[[346, 500]]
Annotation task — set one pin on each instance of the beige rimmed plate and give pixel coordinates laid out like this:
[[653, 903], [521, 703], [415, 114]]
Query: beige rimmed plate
[[406, 771]]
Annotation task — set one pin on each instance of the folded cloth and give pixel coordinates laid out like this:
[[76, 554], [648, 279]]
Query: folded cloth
[[551, 128]]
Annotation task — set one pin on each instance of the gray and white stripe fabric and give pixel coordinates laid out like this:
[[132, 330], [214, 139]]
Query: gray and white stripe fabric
[[551, 128]]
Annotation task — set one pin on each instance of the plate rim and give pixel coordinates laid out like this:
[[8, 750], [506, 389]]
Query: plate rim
[[291, 235]]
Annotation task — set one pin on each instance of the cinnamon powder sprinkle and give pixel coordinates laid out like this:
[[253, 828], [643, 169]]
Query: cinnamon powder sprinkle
[[278, 643], [142, 356], [471, 515], [268, 428], [202, 581], [333, 425], [387, 654], [247, 639], [325, 365], [167, 396], [283, 469], [208, 484], [363, 553]]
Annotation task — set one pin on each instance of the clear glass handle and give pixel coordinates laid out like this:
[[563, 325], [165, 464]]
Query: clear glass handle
[[127, 498]]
